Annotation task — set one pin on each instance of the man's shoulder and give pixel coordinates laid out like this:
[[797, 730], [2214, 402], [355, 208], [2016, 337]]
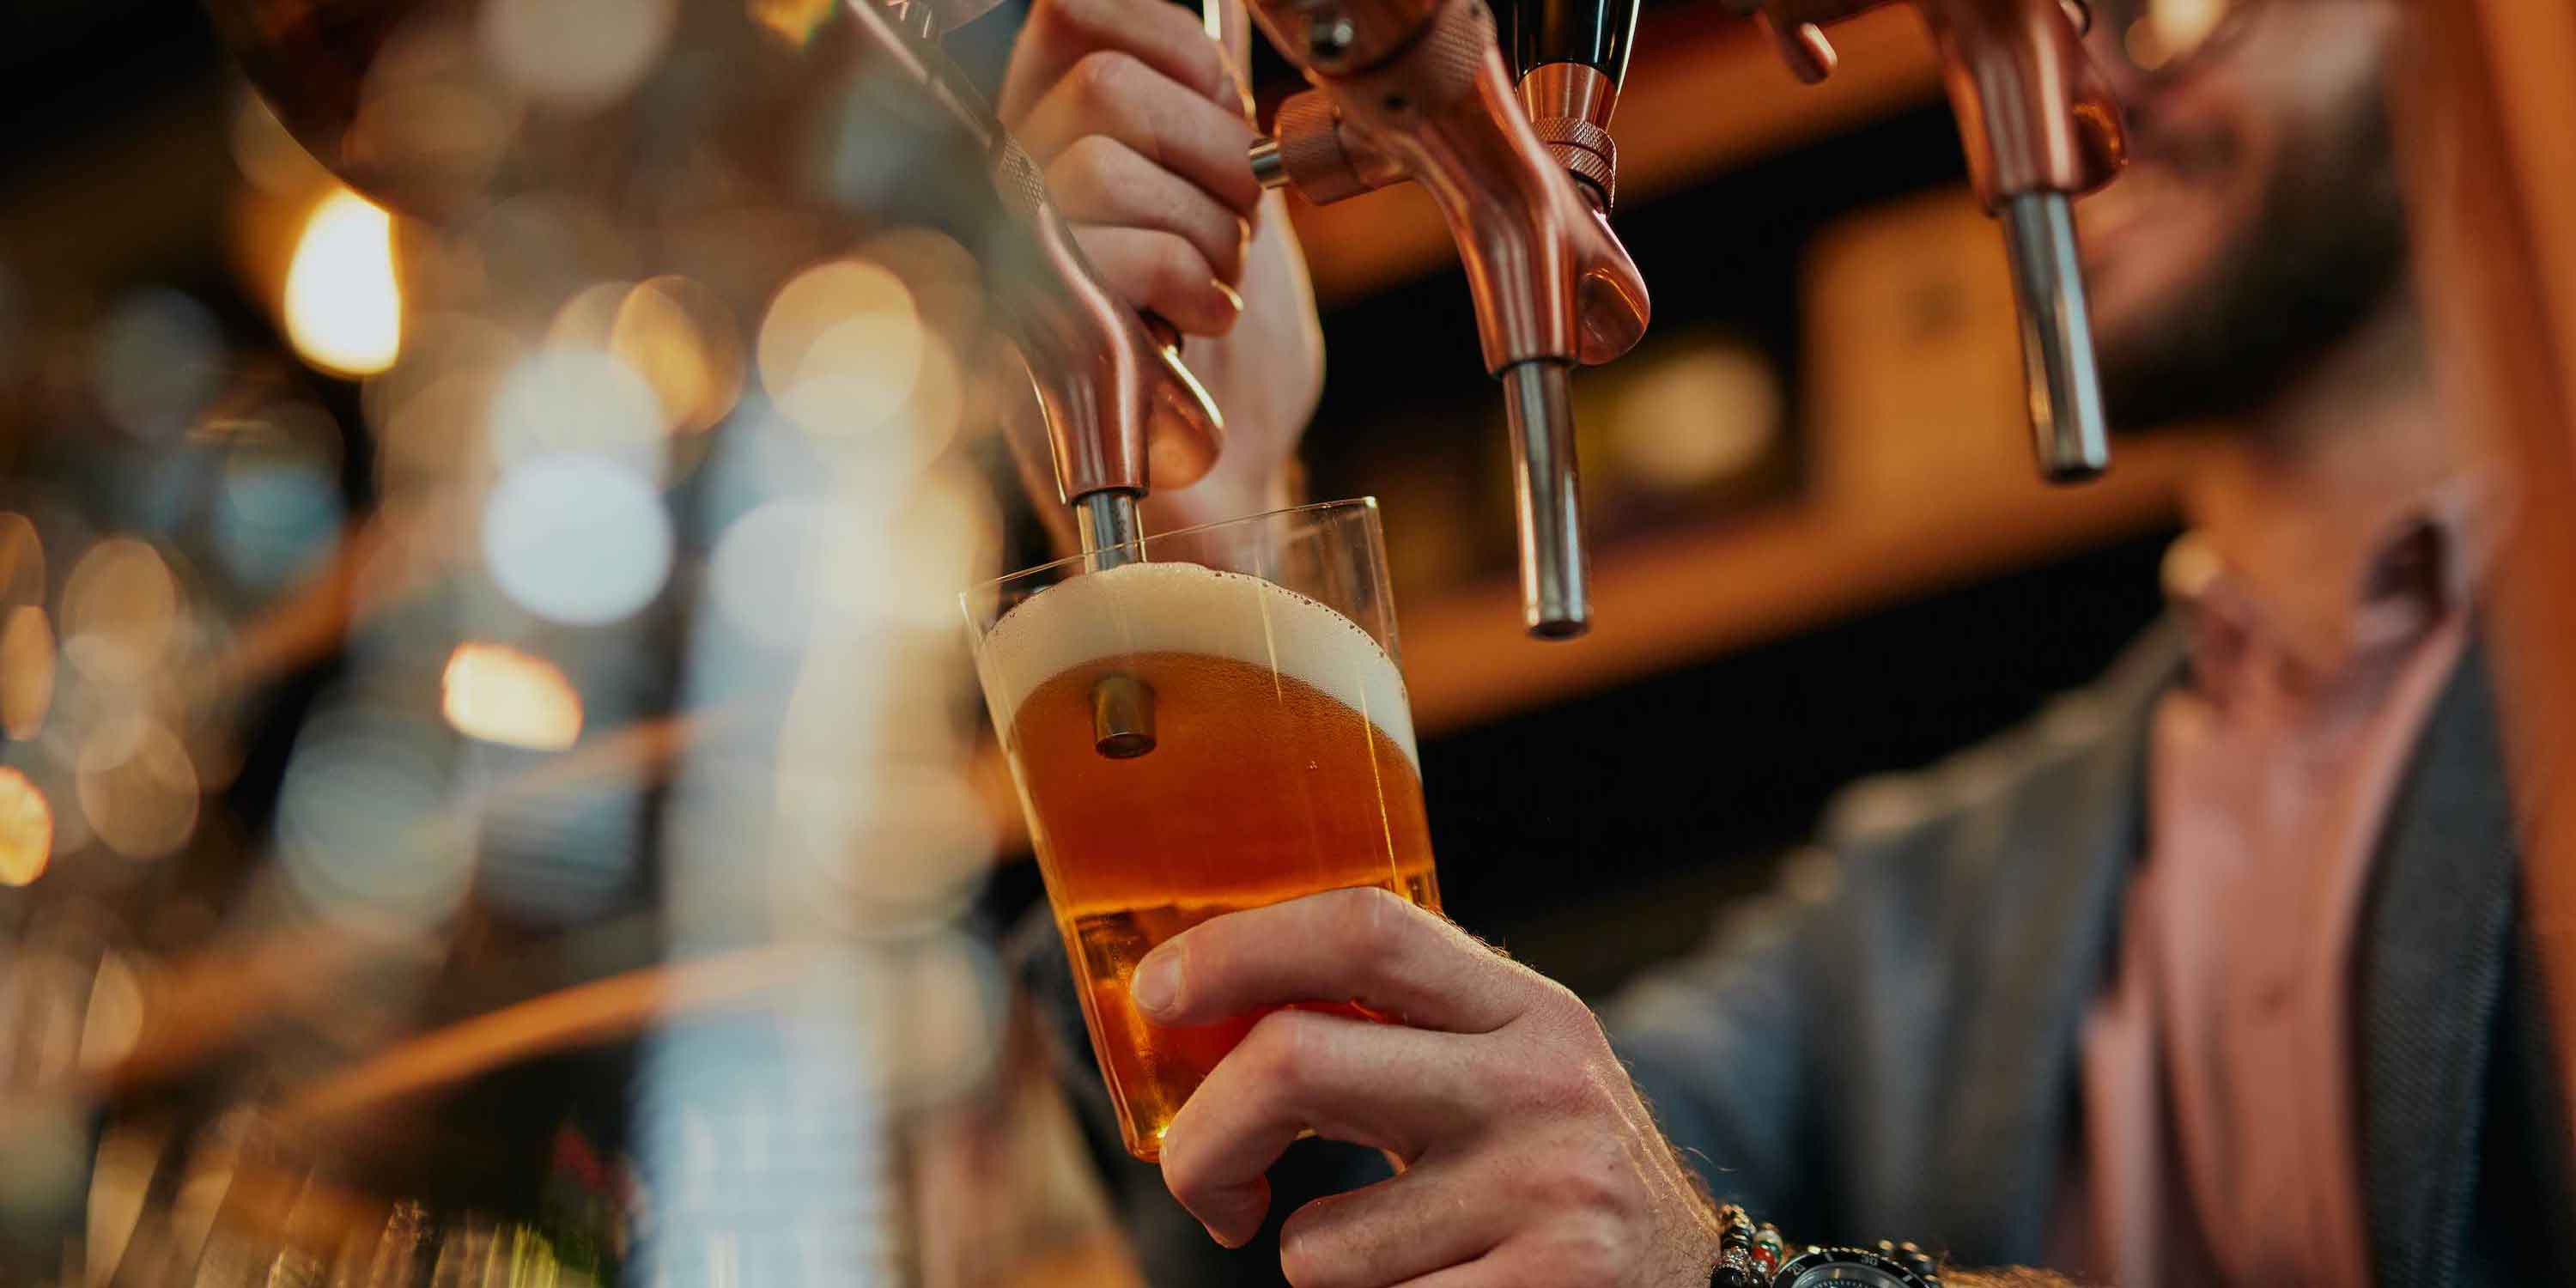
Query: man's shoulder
[[2026, 795]]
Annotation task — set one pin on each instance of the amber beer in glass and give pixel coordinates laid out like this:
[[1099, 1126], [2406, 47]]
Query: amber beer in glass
[[1282, 758]]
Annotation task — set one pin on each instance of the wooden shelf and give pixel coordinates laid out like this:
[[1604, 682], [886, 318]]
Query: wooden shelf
[[1692, 596]]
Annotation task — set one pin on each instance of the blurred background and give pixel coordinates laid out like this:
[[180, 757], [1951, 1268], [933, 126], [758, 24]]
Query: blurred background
[[353, 796]]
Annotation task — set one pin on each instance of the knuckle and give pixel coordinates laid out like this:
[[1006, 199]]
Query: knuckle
[[1592, 1184], [1105, 77], [1279, 1049], [1073, 18], [1074, 180], [1586, 1252], [1185, 1167], [1379, 919], [1180, 271], [1565, 1019], [1093, 155], [1561, 1004]]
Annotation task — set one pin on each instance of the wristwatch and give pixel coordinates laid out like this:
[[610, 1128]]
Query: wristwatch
[[1891, 1266], [1751, 1256]]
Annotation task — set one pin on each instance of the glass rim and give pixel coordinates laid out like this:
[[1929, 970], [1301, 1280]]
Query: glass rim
[[1368, 503]]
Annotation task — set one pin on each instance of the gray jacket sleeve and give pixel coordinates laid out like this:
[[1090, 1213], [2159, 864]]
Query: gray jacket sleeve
[[1716, 1045]]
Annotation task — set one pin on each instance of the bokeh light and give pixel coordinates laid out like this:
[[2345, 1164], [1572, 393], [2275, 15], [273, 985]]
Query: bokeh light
[[22, 561], [947, 284], [431, 118], [575, 53], [1696, 416], [343, 304], [576, 399], [120, 610], [157, 359], [944, 537], [762, 565], [26, 671], [26, 829], [793, 20], [686, 344], [907, 856], [138, 787], [277, 502], [577, 538], [504, 695], [840, 347], [114, 1017], [2170, 27], [361, 820]]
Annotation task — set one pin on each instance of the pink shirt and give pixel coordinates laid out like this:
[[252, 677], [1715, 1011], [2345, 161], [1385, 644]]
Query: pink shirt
[[2220, 1103]]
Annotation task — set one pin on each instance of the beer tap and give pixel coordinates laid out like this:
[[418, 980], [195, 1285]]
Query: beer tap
[[1121, 410], [1523, 176], [2040, 127]]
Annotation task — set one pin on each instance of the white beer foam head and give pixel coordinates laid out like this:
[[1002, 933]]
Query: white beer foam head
[[1188, 608]]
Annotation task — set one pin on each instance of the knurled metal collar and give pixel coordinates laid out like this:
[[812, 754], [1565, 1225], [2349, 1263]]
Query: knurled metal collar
[[1586, 150]]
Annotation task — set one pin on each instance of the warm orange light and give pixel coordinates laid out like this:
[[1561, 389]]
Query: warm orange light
[[840, 349], [501, 694], [679, 337], [22, 561], [138, 787], [121, 610], [26, 671], [343, 307], [26, 829]]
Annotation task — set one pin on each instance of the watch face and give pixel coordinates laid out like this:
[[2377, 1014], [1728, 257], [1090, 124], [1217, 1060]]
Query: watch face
[[1851, 1275], [1847, 1267]]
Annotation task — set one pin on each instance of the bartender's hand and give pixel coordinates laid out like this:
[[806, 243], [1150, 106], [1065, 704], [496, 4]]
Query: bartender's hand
[[1142, 124], [1525, 1156]]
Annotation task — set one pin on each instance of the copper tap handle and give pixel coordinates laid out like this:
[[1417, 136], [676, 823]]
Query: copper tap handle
[[2034, 114], [2039, 126], [1123, 415], [1550, 279]]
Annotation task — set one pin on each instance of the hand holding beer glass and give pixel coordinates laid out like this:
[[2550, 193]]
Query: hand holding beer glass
[[1219, 724]]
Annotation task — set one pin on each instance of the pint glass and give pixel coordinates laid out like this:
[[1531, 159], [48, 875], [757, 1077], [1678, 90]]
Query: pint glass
[[1216, 724]]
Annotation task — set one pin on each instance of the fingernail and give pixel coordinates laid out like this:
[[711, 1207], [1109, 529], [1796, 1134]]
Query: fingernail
[[1233, 298], [1157, 985]]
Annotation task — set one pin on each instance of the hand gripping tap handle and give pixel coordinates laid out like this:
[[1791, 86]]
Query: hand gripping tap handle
[[2039, 126], [1122, 413], [1417, 89]]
